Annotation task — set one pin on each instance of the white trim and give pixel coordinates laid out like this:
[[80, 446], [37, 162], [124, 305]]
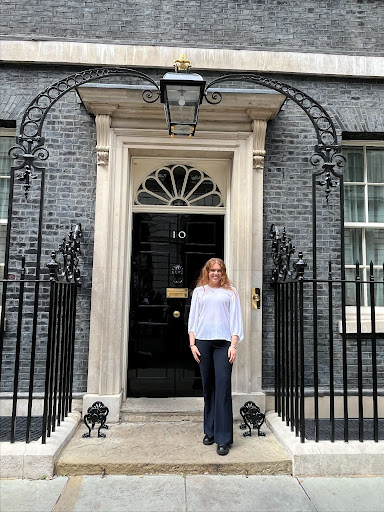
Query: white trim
[[108, 344], [204, 210], [98, 54]]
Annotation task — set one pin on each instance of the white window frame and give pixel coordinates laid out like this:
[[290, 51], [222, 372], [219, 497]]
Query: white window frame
[[6, 132], [364, 265]]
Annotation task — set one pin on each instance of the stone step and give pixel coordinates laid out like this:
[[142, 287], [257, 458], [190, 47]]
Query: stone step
[[171, 416], [162, 409], [169, 447]]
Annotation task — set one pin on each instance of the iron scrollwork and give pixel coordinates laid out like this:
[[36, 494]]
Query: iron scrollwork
[[253, 419], [97, 413], [327, 151], [70, 251], [29, 151]]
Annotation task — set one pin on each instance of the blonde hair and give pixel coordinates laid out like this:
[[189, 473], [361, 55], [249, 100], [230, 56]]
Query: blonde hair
[[204, 274]]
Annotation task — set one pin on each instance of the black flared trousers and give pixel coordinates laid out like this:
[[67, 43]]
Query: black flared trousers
[[216, 373]]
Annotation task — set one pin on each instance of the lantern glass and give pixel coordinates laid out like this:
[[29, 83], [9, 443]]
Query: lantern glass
[[181, 95]]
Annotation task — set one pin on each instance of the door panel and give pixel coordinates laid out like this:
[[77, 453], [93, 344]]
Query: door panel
[[168, 251]]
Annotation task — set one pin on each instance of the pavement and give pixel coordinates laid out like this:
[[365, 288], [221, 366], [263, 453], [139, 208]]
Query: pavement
[[192, 493]]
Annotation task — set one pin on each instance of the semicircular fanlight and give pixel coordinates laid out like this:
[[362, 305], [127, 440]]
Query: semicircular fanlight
[[178, 185]]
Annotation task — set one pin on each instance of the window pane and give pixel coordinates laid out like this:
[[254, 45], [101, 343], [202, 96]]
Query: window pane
[[375, 204], [375, 165], [4, 191], [378, 288], [353, 247], [374, 239], [350, 288], [354, 169], [354, 203], [5, 162]]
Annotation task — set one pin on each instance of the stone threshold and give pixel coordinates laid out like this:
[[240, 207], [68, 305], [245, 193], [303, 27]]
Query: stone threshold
[[172, 447], [162, 409]]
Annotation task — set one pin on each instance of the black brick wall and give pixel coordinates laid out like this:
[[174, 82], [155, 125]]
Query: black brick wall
[[351, 27], [354, 106], [69, 198], [71, 178]]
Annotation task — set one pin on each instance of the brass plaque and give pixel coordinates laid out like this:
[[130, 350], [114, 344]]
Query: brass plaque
[[177, 293]]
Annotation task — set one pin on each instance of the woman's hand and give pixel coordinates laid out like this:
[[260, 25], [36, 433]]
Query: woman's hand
[[195, 353], [232, 354]]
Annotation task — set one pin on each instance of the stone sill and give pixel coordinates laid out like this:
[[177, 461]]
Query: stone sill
[[366, 327]]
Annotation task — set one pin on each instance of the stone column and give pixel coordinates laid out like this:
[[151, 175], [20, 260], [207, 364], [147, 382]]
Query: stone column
[[259, 128], [246, 261], [107, 324]]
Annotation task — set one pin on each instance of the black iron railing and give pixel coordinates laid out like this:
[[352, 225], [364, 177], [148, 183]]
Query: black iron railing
[[327, 378], [37, 345]]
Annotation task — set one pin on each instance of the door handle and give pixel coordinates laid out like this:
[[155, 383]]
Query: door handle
[[176, 314]]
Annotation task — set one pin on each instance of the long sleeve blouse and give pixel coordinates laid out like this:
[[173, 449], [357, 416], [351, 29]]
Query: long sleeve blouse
[[215, 314]]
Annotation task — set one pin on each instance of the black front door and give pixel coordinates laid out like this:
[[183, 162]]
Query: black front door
[[168, 252]]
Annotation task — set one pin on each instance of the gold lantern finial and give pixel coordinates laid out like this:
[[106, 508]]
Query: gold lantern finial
[[182, 64]]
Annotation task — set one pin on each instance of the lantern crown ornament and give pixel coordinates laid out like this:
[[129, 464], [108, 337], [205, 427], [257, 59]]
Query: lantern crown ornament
[[182, 64]]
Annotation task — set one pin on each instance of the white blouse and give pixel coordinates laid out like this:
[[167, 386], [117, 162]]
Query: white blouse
[[215, 314]]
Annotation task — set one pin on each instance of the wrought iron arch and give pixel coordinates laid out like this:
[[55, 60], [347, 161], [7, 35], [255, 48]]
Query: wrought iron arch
[[30, 150], [327, 151]]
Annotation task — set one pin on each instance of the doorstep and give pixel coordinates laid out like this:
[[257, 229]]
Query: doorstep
[[158, 436]]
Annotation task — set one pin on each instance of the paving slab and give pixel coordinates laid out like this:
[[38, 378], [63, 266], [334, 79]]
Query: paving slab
[[169, 448], [122, 493], [30, 495], [233, 493], [345, 494]]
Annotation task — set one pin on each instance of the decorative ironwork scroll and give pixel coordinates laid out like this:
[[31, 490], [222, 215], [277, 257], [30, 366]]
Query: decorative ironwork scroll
[[327, 151], [253, 418], [97, 413], [70, 251], [29, 152]]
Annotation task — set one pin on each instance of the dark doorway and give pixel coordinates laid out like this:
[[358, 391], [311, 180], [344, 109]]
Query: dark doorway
[[168, 251]]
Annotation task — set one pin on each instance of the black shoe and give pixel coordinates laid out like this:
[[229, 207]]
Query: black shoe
[[222, 449], [208, 440]]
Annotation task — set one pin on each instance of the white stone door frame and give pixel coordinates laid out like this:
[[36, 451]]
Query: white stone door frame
[[107, 372]]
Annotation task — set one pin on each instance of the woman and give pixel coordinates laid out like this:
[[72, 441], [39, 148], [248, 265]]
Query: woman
[[215, 328]]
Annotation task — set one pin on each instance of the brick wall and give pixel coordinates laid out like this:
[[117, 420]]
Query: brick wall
[[69, 198], [71, 175], [353, 105], [351, 27]]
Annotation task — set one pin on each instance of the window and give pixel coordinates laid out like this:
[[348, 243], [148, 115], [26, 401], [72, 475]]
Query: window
[[7, 140], [178, 185], [364, 216]]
